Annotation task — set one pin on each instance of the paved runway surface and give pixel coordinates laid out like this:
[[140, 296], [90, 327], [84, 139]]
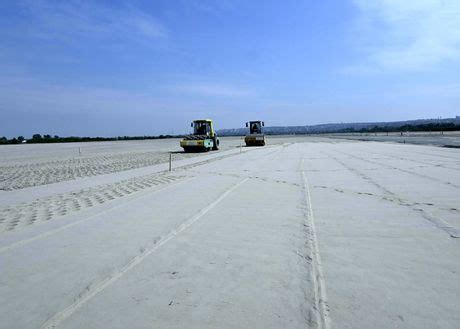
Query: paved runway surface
[[450, 139], [305, 233]]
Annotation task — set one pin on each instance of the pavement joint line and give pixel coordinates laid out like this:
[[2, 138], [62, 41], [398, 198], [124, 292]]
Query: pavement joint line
[[260, 178], [394, 199], [386, 166], [59, 317], [319, 284], [397, 156], [437, 222], [77, 222], [224, 155]]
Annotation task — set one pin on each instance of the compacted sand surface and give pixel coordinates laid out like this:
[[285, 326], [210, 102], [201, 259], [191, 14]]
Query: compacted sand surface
[[304, 233]]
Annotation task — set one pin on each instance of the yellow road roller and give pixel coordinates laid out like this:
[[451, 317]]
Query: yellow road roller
[[203, 138], [255, 136]]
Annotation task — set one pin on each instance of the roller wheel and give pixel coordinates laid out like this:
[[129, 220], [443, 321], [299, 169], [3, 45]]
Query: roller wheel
[[216, 144]]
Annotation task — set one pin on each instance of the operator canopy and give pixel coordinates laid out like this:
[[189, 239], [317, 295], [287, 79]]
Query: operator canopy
[[201, 128], [256, 128]]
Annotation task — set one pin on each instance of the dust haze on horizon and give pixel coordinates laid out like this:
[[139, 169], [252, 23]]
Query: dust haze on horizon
[[141, 68]]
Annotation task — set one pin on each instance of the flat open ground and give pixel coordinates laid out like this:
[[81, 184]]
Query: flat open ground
[[306, 232], [445, 138]]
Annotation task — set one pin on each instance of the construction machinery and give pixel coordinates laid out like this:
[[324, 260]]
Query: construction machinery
[[203, 138], [255, 136]]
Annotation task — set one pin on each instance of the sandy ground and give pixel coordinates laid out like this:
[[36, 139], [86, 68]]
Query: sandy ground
[[306, 232], [40, 164]]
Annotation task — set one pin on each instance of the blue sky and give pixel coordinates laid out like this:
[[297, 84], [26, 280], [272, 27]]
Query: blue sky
[[149, 67]]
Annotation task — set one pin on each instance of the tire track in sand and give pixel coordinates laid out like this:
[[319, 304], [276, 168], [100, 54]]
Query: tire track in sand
[[93, 290]]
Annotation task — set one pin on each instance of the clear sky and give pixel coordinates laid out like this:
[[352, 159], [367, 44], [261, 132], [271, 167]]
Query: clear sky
[[150, 67]]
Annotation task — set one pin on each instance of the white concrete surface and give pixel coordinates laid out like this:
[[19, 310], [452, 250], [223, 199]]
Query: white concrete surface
[[304, 233]]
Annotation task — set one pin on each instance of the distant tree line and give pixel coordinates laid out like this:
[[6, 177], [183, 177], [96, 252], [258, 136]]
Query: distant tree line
[[37, 138], [450, 126], [359, 128]]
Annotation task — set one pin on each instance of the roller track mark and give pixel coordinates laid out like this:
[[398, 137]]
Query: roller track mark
[[13, 177], [94, 289], [122, 203], [321, 310], [60, 205]]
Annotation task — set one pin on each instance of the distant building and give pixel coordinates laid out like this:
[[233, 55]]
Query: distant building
[[457, 120]]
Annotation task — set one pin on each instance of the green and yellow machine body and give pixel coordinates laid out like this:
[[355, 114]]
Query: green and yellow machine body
[[203, 138]]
